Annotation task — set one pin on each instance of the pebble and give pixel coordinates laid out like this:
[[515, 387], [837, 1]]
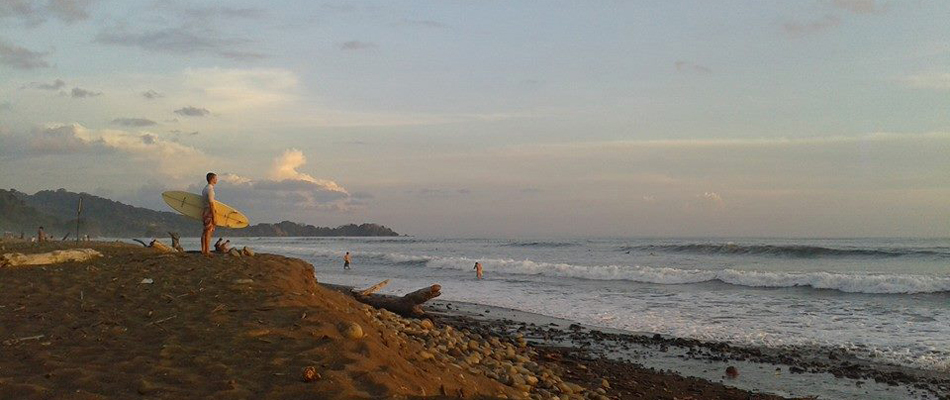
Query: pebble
[[351, 330]]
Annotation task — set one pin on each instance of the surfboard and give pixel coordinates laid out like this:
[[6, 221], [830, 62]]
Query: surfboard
[[191, 205]]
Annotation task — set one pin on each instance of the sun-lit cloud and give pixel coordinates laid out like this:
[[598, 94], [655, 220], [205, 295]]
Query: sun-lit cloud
[[55, 85], [34, 12], [357, 45], [134, 122]]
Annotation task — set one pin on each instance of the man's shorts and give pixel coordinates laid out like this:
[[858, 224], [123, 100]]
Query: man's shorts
[[208, 219]]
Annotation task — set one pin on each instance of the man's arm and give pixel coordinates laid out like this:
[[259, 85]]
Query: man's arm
[[211, 206]]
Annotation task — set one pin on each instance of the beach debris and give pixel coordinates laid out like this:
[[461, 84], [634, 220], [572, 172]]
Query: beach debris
[[604, 383], [373, 289], [732, 372], [53, 257], [11, 342], [176, 241], [351, 330], [147, 281], [243, 281], [310, 374], [409, 305], [247, 251]]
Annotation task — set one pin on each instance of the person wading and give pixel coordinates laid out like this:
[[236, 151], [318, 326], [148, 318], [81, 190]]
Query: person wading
[[207, 216], [346, 260], [478, 270]]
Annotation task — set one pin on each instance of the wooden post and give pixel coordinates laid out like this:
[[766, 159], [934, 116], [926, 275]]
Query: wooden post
[[78, 216]]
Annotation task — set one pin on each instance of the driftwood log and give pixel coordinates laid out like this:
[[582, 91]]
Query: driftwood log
[[409, 305], [53, 257], [176, 241], [155, 244]]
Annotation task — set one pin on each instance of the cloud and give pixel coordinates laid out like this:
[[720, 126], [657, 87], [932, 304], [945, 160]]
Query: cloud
[[357, 45], [152, 95], [6, 106], [424, 23], [287, 189], [69, 10], [687, 66], [285, 167], [204, 13], [56, 85], [17, 57], [713, 198], [134, 122], [934, 81], [192, 111], [797, 29], [79, 93], [183, 40], [232, 90], [859, 6], [62, 139], [34, 12]]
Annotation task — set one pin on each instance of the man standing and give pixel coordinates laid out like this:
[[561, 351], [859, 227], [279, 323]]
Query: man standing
[[41, 235], [346, 260], [207, 216]]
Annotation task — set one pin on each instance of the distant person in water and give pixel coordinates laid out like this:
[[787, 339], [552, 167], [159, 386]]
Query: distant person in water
[[346, 260], [41, 236], [478, 270], [207, 215]]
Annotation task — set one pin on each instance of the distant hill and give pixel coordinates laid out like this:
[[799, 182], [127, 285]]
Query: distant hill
[[102, 217]]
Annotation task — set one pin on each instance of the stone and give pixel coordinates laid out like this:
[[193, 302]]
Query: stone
[[604, 383], [531, 380], [425, 355], [351, 330], [732, 372], [310, 374], [426, 324]]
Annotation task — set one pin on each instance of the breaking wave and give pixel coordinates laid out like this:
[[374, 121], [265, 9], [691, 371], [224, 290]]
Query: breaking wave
[[791, 251], [844, 282]]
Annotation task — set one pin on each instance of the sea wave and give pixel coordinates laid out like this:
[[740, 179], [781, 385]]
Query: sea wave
[[540, 244], [791, 251], [844, 282]]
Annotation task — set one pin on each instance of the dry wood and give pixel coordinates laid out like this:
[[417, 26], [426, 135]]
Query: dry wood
[[53, 257], [374, 288], [176, 241], [409, 305]]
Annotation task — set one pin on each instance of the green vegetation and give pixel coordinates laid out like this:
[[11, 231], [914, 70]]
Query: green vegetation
[[101, 217]]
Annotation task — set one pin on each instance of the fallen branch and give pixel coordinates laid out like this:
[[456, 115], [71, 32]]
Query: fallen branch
[[53, 257], [176, 241], [374, 288], [409, 305], [11, 342]]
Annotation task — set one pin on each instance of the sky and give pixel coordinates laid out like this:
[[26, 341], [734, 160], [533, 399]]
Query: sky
[[812, 118]]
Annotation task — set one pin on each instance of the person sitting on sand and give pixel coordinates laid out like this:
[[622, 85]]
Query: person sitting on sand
[[207, 215], [226, 246], [346, 260], [217, 245], [41, 236], [478, 270]]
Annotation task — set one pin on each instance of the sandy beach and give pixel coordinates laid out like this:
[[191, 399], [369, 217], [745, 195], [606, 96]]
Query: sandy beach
[[139, 323]]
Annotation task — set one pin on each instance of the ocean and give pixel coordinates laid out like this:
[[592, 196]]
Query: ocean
[[881, 300]]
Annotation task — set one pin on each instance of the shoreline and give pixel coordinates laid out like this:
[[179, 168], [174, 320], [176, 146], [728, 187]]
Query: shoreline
[[197, 323], [810, 372]]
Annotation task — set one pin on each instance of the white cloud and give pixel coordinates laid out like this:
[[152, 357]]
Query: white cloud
[[285, 168], [232, 90], [285, 191]]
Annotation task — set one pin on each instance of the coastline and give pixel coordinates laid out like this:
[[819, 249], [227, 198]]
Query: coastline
[[247, 326]]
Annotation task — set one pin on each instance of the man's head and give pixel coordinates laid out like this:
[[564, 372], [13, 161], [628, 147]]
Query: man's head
[[41, 228], [212, 178]]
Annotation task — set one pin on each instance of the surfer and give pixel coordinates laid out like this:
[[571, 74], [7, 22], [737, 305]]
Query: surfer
[[346, 260], [478, 270], [207, 215]]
